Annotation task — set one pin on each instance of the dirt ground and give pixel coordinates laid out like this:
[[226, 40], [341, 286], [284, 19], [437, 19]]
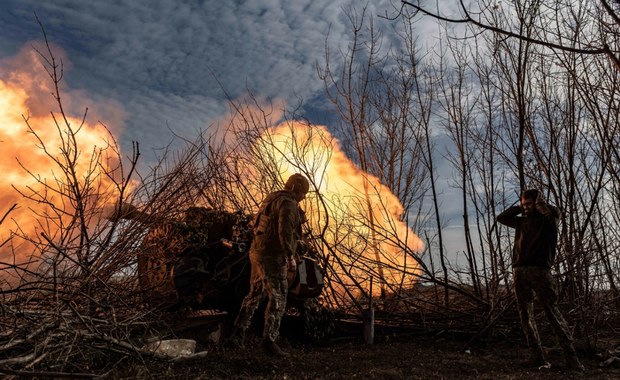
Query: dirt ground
[[413, 357]]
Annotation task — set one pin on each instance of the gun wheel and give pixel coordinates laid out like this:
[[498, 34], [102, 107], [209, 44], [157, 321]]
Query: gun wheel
[[155, 263]]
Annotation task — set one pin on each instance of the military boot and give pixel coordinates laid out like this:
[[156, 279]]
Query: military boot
[[536, 360], [272, 349], [236, 339]]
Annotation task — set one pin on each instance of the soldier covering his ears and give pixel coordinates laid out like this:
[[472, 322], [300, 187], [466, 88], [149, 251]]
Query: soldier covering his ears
[[536, 231]]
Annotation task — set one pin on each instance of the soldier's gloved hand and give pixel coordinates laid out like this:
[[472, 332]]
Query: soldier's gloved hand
[[291, 265]]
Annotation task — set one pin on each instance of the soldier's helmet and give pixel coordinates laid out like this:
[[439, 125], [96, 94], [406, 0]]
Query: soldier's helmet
[[297, 182]]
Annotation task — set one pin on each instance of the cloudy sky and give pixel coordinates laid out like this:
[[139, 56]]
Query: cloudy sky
[[152, 69], [170, 63]]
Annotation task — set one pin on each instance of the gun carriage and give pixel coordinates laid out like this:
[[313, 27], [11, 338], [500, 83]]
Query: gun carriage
[[202, 262]]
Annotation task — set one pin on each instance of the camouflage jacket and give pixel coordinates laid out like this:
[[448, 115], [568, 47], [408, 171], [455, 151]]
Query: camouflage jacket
[[277, 226]]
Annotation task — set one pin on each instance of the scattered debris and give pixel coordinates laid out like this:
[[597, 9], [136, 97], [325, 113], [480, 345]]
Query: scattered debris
[[172, 348]]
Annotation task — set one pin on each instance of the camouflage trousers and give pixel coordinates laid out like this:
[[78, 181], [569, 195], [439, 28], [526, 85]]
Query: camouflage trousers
[[530, 281], [268, 279]]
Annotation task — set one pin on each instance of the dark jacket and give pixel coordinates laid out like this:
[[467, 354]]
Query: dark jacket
[[535, 236], [277, 226]]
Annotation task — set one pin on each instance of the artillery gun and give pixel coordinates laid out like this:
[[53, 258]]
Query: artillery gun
[[202, 262]]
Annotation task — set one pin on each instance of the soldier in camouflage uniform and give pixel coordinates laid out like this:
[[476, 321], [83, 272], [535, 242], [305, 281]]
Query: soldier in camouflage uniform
[[536, 229], [277, 228]]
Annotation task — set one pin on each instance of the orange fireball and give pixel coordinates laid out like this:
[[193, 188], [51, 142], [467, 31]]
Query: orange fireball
[[49, 162]]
